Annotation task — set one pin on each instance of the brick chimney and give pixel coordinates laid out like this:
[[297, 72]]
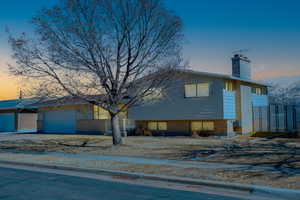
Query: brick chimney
[[241, 66]]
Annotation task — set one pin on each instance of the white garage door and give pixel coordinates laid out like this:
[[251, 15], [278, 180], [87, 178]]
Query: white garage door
[[60, 121], [27, 122], [7, 122]]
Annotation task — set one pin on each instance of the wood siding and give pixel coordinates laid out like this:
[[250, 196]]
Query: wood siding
[[175, 106]]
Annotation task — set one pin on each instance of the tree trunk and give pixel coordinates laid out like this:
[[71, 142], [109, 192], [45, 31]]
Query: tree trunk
[[116, 132]]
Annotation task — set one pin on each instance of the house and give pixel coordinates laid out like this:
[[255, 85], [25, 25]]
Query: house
[[196, 102], [17, 116], [206, 102], [71, 115]]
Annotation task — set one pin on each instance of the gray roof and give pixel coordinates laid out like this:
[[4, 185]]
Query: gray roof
[[225, 76], [17, 104]]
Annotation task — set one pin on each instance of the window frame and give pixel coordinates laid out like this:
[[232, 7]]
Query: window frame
[[202, 125], [196, 90], [260, 91], [157, 126], [97, 110], [229, 86]]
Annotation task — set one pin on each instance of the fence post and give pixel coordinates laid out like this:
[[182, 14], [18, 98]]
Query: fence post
[[286, 117], [269, 117]]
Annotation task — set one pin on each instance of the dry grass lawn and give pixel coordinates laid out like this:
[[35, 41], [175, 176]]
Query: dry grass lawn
[[237, 150], [283, 155]]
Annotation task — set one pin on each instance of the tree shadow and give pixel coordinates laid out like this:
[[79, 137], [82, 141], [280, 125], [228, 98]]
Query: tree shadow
[[271, 156]]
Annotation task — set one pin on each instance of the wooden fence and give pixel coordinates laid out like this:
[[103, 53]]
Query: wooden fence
[[276, 118]]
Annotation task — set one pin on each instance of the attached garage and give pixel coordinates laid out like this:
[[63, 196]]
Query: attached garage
[[59, 121], [72, 116], [7, 122]]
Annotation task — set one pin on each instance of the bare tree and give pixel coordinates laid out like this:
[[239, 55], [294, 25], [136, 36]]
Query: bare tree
[[289, 94], [122, 49]]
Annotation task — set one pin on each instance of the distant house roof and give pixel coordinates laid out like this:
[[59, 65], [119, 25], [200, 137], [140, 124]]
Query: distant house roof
[[16, 104], [69, 100], [64, 101], [225, 76]]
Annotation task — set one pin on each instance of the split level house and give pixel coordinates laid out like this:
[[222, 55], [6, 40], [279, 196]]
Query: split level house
[[217, 104]]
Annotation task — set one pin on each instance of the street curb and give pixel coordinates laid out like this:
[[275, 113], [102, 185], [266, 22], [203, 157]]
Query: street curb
[[263, 191]]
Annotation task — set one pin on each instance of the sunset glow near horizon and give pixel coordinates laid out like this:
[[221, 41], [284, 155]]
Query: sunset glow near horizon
[[213, 29]]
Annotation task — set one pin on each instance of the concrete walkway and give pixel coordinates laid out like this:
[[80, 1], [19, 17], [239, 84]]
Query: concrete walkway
[[14, 135]]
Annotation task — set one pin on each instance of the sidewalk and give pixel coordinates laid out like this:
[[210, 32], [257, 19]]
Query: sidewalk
[[144, 161], [188, 169], [157, 170]]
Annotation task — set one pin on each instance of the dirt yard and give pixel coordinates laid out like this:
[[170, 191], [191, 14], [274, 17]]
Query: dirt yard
[[282, 155]]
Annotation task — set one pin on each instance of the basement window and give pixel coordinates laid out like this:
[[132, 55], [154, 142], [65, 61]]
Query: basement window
[[197, 90], [157, 126], [203, 126]]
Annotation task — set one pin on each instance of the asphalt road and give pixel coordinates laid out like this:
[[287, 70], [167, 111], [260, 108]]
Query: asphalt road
[[18, 184]]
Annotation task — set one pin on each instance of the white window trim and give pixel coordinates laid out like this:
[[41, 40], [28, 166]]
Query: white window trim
[[157, 125], [202, 125], [196, 84]]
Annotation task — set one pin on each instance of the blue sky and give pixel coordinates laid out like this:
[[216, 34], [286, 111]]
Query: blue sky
[[270, 29]]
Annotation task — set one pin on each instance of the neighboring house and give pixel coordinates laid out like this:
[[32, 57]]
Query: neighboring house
[[17, 116], [206, 102], [75, 116]]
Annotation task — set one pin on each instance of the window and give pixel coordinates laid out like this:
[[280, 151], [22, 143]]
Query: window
[[229, 86], [260, 91], [100, 113], [197, 126], [264, 91], [152, 126], [202, 90], [197, 90], [191, 90], [203, 126], [157, 126], [208, 126]]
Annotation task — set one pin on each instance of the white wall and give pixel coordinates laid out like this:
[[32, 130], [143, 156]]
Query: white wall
[[260, 100], [27, 122], [246, 109], [229, 107]]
